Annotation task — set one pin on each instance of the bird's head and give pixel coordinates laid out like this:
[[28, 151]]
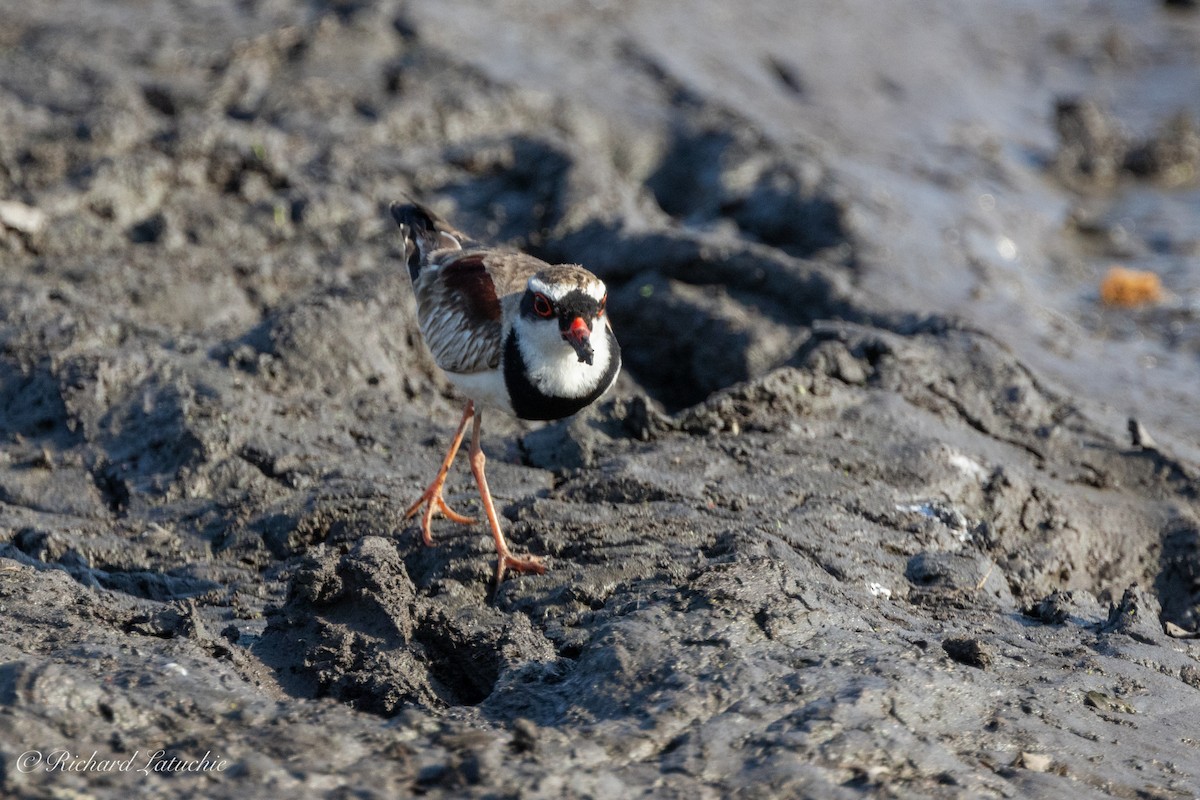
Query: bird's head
[[567, 300]]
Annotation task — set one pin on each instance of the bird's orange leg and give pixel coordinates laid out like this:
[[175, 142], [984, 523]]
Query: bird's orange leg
[[432, 498], [507, 560]]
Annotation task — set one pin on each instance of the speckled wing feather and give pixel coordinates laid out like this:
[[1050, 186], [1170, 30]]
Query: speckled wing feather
[[461, 300], [464, 291], [459, 312]]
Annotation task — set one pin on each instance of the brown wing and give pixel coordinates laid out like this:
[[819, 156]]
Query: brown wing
[[462, 301], [460, 312], [461, 293], [511, 271]]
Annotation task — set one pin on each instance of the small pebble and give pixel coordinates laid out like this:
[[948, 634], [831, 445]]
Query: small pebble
[[972, 652], [1035, 762]]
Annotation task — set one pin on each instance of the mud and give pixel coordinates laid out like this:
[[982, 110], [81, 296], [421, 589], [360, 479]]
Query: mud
[[822, 540]]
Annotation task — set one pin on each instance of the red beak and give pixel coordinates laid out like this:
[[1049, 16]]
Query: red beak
[[579, 336]]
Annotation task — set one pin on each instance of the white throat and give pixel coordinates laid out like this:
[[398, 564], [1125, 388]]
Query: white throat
[[553, 366]]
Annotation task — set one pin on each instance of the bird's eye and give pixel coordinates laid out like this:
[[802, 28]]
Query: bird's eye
[[541, 306]]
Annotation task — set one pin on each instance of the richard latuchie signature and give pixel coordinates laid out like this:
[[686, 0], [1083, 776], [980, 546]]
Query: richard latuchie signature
[[156, 761]]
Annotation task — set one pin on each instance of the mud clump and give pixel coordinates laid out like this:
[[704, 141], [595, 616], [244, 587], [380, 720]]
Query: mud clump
[[1094, 152], [370, 642]]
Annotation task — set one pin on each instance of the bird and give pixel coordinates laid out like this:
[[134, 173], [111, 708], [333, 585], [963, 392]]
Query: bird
[[513, 334]]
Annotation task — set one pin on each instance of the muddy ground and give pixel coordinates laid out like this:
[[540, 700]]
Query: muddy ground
[[848, 524]]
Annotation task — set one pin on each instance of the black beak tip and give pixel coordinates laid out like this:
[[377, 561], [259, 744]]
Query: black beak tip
[[583, 347], [584, 351]]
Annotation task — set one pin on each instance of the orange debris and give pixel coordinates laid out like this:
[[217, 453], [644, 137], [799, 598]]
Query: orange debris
[[1130, 287]]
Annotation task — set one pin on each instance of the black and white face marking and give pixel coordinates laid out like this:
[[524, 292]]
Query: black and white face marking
[[561, 353], [576, 313]]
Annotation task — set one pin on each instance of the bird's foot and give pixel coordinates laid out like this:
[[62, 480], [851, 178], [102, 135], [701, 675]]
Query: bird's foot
[[508, 561], [433, 501]]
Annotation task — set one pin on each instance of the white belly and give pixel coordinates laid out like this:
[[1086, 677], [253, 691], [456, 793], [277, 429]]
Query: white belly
[[486, 388]]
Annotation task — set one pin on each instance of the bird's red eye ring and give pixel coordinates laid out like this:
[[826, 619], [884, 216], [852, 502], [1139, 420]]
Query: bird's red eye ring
[[541, 306]]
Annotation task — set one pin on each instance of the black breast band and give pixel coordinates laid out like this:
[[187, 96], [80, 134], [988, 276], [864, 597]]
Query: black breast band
[[529, 402]]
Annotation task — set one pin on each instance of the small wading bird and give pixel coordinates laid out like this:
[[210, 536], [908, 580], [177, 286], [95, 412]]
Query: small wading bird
[[512, 333]]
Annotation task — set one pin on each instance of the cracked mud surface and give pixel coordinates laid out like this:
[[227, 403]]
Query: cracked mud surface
[[820, 541]]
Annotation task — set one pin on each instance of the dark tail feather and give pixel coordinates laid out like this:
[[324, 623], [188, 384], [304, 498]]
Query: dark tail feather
[[423, 233]]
